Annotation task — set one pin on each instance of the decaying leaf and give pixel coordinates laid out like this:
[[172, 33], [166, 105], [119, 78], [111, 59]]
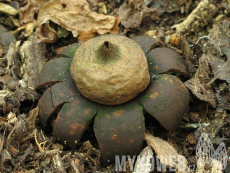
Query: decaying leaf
[[9, 82], [166, 153], [220, 39], [33, 59], [198, 83], [23, 98], [27, 13], [11, 56], [28, 27], [188, 54], [134, 12], [143, 163], [165, 6], [11, 117], [223, 96], [74, 16], [86, 146], [21, 129], [32, 118], [217, 62], [5, 156]]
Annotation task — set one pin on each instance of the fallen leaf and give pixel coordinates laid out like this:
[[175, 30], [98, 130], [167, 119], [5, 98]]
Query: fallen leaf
[[223, 96], [220, 39], [11, 117], [27, 13], [20, 129], [5, 156], [23, 98], [214, 63], [32, 118], [28, 27], [9, 82], [198, 83], [166, 153], [133, 13], [86, 146], [143, 163], [13, 151], [74, 16], [166, 6]]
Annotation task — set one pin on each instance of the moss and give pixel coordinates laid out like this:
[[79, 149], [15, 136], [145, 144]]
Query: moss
[[66, 69], [73, 50]]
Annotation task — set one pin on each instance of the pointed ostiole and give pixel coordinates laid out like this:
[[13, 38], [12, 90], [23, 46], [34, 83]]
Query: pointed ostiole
[[73, 119], [167, 100], [54, 71], [119, 130]]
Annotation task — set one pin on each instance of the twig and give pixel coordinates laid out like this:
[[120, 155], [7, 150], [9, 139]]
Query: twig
[[39, 146], [73, 164], [28, 151], [1, 145]]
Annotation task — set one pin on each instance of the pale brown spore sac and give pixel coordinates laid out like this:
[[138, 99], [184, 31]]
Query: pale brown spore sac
[[110, 69]]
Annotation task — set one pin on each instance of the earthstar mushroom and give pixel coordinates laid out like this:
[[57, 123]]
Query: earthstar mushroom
[[113, 87]]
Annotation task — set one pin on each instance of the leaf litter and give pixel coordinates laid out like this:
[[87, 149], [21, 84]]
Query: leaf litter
[[74, 16]]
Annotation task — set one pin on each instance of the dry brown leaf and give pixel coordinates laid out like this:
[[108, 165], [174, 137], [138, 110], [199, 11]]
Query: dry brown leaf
[[9, 82], [166, 153], [134, 12], [166, 6], [198, 84], [220, 39], [32, 119], [26, 13], [86, 35], [5, 156], [86, 146], [74, 16], [28, 27]]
